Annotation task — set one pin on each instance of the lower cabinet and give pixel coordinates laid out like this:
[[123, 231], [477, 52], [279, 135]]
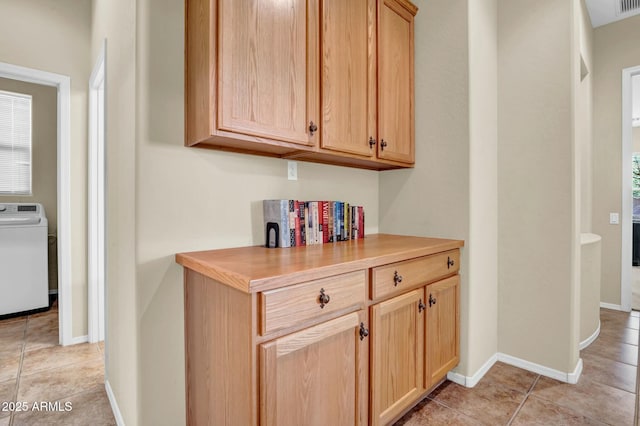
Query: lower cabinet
[[415, 342], [316, 376], [349, 346], [443, 343], [397, 357]]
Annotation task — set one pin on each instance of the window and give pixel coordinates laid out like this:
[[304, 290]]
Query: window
[[15, 143]]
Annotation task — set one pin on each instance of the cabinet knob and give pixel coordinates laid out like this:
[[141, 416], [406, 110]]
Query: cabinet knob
[[432, 300], [421, 306], [364, 332], [323, 298], [312, 128], [397, 278], [372, 142], [383, 144], [450, 262]]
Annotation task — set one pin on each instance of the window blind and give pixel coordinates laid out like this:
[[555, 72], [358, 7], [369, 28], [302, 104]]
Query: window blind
[[15, 143]]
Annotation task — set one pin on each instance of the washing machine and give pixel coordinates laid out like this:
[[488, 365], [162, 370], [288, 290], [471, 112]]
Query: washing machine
[[23, 258]]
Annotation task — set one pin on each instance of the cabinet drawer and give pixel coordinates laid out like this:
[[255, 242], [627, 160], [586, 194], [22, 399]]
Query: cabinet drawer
[[399, 276], [286, 307]]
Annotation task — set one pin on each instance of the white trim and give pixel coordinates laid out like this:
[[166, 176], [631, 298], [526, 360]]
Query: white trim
[[114, 404], [589, 340], [627, 194], [471, 381], [54, 291], [541, 369], [96, 201], [612, 306], [78, 340], [63, 84]]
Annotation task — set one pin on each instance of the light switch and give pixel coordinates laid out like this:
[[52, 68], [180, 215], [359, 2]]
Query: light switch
[[614, 218]]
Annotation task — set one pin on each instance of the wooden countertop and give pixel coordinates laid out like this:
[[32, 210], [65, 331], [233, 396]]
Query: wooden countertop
[[253, 269]]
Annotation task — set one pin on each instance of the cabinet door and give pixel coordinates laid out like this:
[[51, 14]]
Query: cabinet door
[[316, 376], [348, 95], [443, 329], [268, 83], [397, 336], [395, 97]]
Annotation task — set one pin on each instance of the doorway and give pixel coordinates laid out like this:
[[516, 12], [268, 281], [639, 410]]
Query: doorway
[[63, 85], [630, 273], [96, 200]]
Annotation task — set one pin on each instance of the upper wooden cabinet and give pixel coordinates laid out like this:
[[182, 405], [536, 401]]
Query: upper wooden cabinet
[[266, 64], [395, 64], [323, 81]]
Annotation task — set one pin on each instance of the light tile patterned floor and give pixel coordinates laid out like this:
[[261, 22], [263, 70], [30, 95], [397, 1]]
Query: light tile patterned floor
[[605, 394], [35, 370]]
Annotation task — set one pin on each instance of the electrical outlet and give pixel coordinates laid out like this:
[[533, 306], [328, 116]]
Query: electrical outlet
[[292, 170], [614, 218]]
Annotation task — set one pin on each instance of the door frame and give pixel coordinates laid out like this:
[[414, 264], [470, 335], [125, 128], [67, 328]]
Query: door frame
[[63, 85], [96, 248], [627, 194]]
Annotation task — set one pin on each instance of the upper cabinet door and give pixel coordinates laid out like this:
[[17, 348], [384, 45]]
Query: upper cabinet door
[[348, 94], [268, 81], [395, 65]]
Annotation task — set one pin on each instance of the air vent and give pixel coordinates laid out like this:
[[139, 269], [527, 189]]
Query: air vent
[[626, 6]]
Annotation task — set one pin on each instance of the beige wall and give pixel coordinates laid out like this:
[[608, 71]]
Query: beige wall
[[615, 47], [482, 244], [54, 36], [116, 21], [537, 211], [44, 157], [635, 134], [452, 191], [191, 199], [584, 116]]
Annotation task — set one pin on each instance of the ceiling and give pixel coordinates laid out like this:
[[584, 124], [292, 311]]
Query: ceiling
[[603, 12]]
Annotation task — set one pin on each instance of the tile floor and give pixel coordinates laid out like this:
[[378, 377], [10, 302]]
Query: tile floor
[[605, 394], [35, 370]]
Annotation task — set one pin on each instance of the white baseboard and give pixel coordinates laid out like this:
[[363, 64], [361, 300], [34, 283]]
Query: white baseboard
[[589, 340], [77, 340], [471, 381], [54, 291], [114, 404], [572, 377], [611, 306]]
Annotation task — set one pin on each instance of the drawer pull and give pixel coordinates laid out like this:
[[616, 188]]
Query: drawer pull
[[323, 298], [432, 300], [450, 262], [397, 278], [372, 142], [364, 332], [421, 306], [312, 128]]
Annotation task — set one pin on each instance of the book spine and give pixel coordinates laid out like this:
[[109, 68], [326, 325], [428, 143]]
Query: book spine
[[325, 222], [331, 220], [347, 221], [285, 238], [341, 218], [292, 223], [354, 229], [316, 223], [361, 221], [309, 218], [303, 225], [296, 230], [334, 212]]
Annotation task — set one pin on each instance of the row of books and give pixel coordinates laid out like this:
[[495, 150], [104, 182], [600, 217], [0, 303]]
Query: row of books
[[303, 223]]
